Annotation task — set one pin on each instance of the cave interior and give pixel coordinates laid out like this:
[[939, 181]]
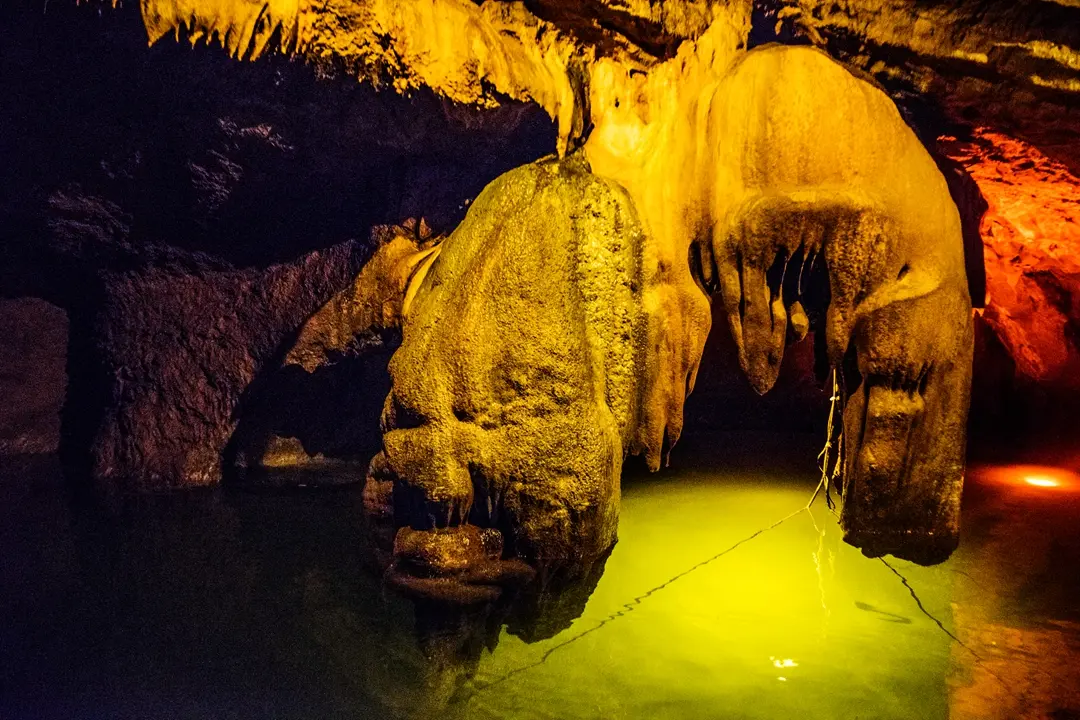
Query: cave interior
[[486, 358]]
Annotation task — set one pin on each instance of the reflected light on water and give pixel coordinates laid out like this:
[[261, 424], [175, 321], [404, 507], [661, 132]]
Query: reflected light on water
[[707, 608], [1041, 481], [1031, 477]]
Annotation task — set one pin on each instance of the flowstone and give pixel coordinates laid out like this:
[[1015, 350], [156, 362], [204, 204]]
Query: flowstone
[[747, 173], [553, 334], [516, 389]]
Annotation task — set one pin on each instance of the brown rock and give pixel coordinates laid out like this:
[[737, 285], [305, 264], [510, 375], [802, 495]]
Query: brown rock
[[517, 387], [164, 360], [32, 357]]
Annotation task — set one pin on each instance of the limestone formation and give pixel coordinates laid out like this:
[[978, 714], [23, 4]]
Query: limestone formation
[[463, 50], [495, 416], [772, 180], [739, 166], [517, 387], [957, 69], [314, 419], [1012, 64], [815, 165], [767, 163]]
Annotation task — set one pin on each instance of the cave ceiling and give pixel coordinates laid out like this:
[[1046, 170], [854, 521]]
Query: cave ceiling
[[1014, 66], [360, 112], [960, 69], [990, 86]]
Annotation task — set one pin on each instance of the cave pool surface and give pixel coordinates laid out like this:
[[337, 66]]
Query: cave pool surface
[[239, 604]]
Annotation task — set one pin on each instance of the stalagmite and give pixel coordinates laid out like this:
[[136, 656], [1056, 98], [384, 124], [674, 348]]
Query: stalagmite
[[731, 162]]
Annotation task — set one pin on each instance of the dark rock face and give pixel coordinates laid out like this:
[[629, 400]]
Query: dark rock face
[[641, 26], [313, 428], [314, 419], [250, 163], [189, 213], [171, 357], [32, 378]]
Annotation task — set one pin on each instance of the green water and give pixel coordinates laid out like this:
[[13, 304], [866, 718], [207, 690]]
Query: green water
[[792, 623], [232, 604]]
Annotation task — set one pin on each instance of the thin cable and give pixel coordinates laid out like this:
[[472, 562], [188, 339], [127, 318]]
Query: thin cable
[[630, 606]]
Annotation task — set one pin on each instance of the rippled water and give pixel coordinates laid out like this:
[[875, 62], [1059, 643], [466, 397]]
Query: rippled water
[[232, 604]]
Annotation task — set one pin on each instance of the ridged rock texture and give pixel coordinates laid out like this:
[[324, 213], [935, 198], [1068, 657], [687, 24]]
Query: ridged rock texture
[[492, 418], [633, 83], [958, 70], [994, 86], [518, 388], [176, 366], [315, 418], [189, 219], [1028, 365]]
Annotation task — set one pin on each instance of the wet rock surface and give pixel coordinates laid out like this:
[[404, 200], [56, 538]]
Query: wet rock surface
[[189, 219], [205, 226], [32, 375], [170, 357], [314, 419], [1029, 364], [519, 382], [953, 68], [127, 157]]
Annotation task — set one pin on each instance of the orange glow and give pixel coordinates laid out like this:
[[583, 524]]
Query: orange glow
[[1031, 477], [1031, 238]]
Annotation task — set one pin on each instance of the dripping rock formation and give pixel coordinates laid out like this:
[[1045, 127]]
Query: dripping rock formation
[[205, 224]]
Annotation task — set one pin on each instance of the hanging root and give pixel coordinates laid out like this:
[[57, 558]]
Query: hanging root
[[831, 477]]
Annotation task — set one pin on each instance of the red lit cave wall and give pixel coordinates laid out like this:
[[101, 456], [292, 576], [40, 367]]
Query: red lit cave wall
[[1028, 336]]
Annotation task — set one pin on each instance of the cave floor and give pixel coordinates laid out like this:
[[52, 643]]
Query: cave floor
[[236, 604]]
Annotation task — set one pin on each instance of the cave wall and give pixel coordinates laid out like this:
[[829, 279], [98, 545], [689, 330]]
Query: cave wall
[[157, 195], [32, 377], [156, 394], [1010, 64], [189, 219], [1028, 367]]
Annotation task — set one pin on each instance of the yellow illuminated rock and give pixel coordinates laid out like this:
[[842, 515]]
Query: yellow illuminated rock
[[540, 348], [515, 390], [374, 303], [745, 161], [461, 50]]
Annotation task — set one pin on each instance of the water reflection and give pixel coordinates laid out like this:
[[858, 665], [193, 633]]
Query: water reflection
[[235, 604], [228, 604], [1018, 609]]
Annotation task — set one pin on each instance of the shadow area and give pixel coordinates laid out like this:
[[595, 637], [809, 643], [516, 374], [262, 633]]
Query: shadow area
[[229, 604], [320, 428]]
